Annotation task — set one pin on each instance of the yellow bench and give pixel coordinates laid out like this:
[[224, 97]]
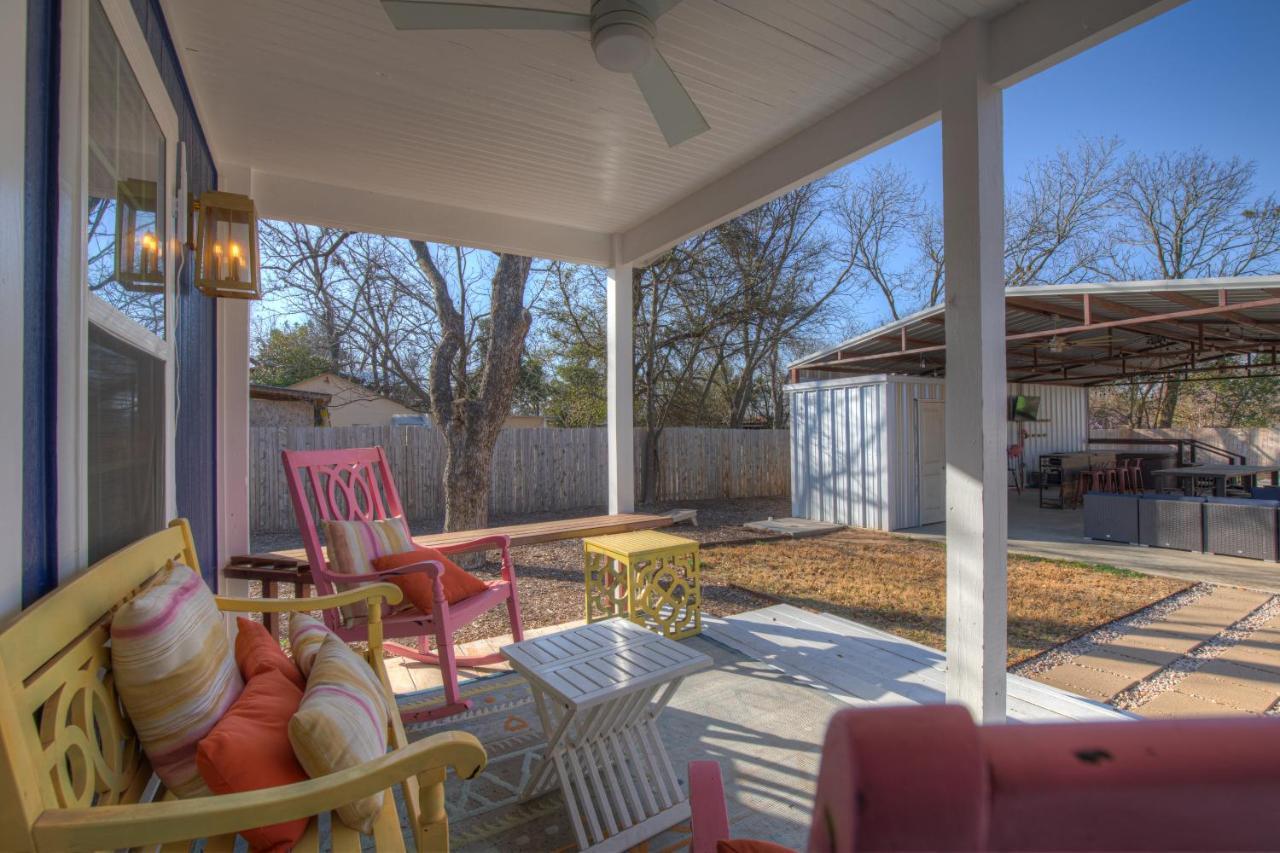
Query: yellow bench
[[73, 776]]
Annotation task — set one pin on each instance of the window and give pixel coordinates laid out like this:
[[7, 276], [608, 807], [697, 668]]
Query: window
[[116, 374]]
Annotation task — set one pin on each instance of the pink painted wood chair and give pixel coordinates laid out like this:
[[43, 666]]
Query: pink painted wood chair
[[345, 485], [928, 778]]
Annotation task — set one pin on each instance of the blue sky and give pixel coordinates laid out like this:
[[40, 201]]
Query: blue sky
[[1205, 74]]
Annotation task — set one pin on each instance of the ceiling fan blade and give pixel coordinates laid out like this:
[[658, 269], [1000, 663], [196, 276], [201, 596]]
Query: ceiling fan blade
[[657, 8], [430, 15], [677, 115]]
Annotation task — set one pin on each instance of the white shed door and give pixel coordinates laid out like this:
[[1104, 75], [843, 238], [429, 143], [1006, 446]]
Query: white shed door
[[931, 453]]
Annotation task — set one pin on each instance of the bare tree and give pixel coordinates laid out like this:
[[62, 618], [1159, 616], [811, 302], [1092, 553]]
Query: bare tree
[[782, 269], [883, 220], [469, 406], [1186, 215], [1056, 217]]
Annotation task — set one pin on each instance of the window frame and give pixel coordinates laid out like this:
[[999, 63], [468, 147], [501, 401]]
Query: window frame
[[77, 308]]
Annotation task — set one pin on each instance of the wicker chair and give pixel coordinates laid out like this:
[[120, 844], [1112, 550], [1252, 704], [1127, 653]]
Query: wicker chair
[[1110, 516], [1241, 527], [1171, 521]]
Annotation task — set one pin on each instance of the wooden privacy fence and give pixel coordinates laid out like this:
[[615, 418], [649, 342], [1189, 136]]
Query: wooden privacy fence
[[1259, 445], [534, 470]]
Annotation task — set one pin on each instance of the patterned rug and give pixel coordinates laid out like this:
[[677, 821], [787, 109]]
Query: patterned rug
[[485, 812]]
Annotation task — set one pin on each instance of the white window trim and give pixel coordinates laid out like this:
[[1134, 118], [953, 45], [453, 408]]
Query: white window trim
[[77, 308]]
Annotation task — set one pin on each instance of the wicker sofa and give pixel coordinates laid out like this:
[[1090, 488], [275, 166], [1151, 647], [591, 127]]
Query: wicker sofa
[[1238, 527]]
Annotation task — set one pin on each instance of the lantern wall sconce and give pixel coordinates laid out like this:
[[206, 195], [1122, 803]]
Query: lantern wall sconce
[[227, 246], [139, 261]]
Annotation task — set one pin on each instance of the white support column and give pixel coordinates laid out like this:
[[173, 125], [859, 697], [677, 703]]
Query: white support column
[[13, 78], [622, 465], [233, 412], [977, 493]]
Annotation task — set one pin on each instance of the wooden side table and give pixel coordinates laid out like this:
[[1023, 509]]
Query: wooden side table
[[598, 690], [652, 578]]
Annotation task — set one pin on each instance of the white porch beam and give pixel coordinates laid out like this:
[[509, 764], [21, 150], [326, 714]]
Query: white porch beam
[[1023, 41], [882, 116], [296, 200], [233, 412], [13, 79], [977, 490], [618, 352], [1037, 35]]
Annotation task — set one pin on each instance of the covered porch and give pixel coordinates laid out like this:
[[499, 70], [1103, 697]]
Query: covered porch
[[511, 141]]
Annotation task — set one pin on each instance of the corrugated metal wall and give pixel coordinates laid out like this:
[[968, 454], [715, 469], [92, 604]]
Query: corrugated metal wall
[[854, 445], [837, 442]]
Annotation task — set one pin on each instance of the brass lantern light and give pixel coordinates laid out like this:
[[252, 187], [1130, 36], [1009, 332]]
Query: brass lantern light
[[227, 246], [139, 260]]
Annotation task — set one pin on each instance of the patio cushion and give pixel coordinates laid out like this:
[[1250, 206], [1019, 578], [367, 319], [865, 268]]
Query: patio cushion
[[306, 634], [354, 545], [249, 749], [258, 652], [175, 673], [459, 584], [341, 723]]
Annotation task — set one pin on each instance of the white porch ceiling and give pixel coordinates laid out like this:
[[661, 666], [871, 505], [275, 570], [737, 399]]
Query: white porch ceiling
[[317, 96]]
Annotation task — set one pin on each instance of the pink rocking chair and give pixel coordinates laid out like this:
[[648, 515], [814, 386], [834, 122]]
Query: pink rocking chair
[[347, 485]]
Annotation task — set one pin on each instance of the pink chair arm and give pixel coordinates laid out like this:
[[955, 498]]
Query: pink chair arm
[[710, 818], [497, 542], [431, 568]]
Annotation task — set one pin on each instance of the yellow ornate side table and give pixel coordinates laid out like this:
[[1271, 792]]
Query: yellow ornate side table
[[650, 577]]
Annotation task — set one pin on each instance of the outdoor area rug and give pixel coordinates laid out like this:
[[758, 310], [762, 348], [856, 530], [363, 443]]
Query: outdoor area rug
[[485, 813]]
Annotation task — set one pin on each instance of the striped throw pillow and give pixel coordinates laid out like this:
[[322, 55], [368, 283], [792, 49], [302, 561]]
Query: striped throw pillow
[[174, 670], [341, 723], [306, 635], [354, 545]]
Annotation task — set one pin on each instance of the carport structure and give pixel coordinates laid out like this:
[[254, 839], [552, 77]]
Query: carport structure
[[517, 141], [1091, 334]]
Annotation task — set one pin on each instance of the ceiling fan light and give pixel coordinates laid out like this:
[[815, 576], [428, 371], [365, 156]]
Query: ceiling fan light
[[624, 47]]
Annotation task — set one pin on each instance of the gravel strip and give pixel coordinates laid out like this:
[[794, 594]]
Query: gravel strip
[[1169, 677], [1110, 632]]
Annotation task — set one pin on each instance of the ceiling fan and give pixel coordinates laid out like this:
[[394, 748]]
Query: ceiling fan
[[622, 37]]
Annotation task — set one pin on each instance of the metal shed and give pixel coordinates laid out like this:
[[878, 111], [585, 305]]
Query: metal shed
[[862, 447], [867, 429]]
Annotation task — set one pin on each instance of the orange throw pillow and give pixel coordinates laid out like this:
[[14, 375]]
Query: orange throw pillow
[[749, 845], [258, 652], [458, 583], [249, 749]]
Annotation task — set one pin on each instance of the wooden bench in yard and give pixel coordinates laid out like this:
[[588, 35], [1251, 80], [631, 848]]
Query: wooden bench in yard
[[290, 567], [73, 775]]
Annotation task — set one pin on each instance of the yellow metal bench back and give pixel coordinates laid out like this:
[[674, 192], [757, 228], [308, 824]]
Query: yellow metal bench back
[[64, 738]]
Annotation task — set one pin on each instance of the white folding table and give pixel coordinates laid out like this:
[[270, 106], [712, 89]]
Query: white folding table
[[599, 690]]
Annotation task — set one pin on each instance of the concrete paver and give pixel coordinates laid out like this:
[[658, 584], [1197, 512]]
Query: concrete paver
[[1092, 683], [1111, 668], [1175, 703]]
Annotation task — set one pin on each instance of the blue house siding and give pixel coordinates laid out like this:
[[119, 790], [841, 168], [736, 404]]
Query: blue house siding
[[39, 567], [196, 327]]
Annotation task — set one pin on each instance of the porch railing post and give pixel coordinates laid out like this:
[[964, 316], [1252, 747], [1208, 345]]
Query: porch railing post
[[622, 489], [977, 494]]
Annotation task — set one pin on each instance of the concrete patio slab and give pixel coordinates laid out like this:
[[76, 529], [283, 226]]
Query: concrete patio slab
[[1058, 534], [796, 528]]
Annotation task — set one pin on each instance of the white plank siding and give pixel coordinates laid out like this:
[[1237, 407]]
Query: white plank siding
[[863, 666], [854, 444]]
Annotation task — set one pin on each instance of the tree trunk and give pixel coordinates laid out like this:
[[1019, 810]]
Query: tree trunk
[[1169, 405], [468, 468], [649, 466]]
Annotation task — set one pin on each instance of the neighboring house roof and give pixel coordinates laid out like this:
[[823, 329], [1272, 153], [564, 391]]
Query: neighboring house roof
[[279, 392], [1090, 334]]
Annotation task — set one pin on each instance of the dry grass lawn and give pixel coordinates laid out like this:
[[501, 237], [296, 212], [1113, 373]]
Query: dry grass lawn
[[898, 585]]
